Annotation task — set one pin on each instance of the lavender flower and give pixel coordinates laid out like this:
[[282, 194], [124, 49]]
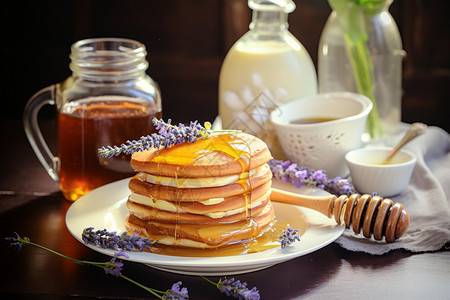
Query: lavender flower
[[15, 241], [115, 267], [176, 293], [298, 176], [235, 288], [167, 136], [105, 239], [289, 236], [112, 267]]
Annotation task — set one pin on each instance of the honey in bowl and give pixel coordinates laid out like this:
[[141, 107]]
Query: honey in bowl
[[369, 174], [312, 120]]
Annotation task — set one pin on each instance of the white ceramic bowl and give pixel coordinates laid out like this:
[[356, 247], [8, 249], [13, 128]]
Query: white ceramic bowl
[[370, 175], [322, 145]]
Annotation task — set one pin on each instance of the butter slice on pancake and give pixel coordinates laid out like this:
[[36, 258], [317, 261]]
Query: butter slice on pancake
[[206, 194]]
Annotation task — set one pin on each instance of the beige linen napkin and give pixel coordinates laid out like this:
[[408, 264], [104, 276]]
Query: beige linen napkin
[[426, 199]]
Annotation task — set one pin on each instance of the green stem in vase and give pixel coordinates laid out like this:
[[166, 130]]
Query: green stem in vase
[[350, 14], [363, 73]]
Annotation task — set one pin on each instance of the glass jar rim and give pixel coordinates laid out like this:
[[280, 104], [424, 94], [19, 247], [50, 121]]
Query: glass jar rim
[[114, 55], [119, 44]]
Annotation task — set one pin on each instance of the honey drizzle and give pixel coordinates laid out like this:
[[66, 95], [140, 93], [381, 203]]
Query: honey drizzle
[[240, 151], [268, 240], [243, 157], [188, 154]]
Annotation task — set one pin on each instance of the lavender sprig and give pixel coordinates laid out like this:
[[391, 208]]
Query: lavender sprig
[[111, 240], [167, 136], [299, 176], [235, 288], [176, 292], [289, 236], [113, 267]]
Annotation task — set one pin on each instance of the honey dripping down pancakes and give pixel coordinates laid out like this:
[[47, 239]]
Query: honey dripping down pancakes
[[206, 194]]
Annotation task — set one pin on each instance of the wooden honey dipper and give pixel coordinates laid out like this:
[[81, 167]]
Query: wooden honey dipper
[[374, 215]]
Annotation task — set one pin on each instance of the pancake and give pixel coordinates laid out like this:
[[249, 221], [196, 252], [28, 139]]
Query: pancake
[[205, 236], [205, 194], [218, 155], [148, 213], [211, 205], [162, 192]]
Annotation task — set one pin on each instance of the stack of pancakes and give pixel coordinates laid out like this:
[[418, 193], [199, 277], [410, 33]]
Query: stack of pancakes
[[206, 194]]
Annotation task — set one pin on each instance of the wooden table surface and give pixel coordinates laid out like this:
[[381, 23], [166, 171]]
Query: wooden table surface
[[31, 205]]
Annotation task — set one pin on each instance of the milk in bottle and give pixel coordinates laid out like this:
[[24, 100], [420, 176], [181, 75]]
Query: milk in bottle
[[265, 68]]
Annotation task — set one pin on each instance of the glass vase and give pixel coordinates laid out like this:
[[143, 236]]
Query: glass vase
[[361, 51]]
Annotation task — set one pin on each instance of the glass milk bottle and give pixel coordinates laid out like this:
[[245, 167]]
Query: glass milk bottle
[[265, 68], [107, 100]]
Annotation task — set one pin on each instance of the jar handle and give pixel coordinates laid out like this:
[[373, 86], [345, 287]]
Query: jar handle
[[33, 132]]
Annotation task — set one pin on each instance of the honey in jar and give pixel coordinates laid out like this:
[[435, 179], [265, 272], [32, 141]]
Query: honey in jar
[[107, 100]]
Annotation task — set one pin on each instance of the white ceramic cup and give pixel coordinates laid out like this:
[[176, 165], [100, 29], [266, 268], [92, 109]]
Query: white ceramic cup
[[322, 145], [370, 175]]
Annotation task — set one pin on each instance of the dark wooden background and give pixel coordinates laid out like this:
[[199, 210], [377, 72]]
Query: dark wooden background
[[187, 41]]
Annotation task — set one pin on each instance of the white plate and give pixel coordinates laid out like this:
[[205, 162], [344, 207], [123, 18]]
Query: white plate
[[105, 208]]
